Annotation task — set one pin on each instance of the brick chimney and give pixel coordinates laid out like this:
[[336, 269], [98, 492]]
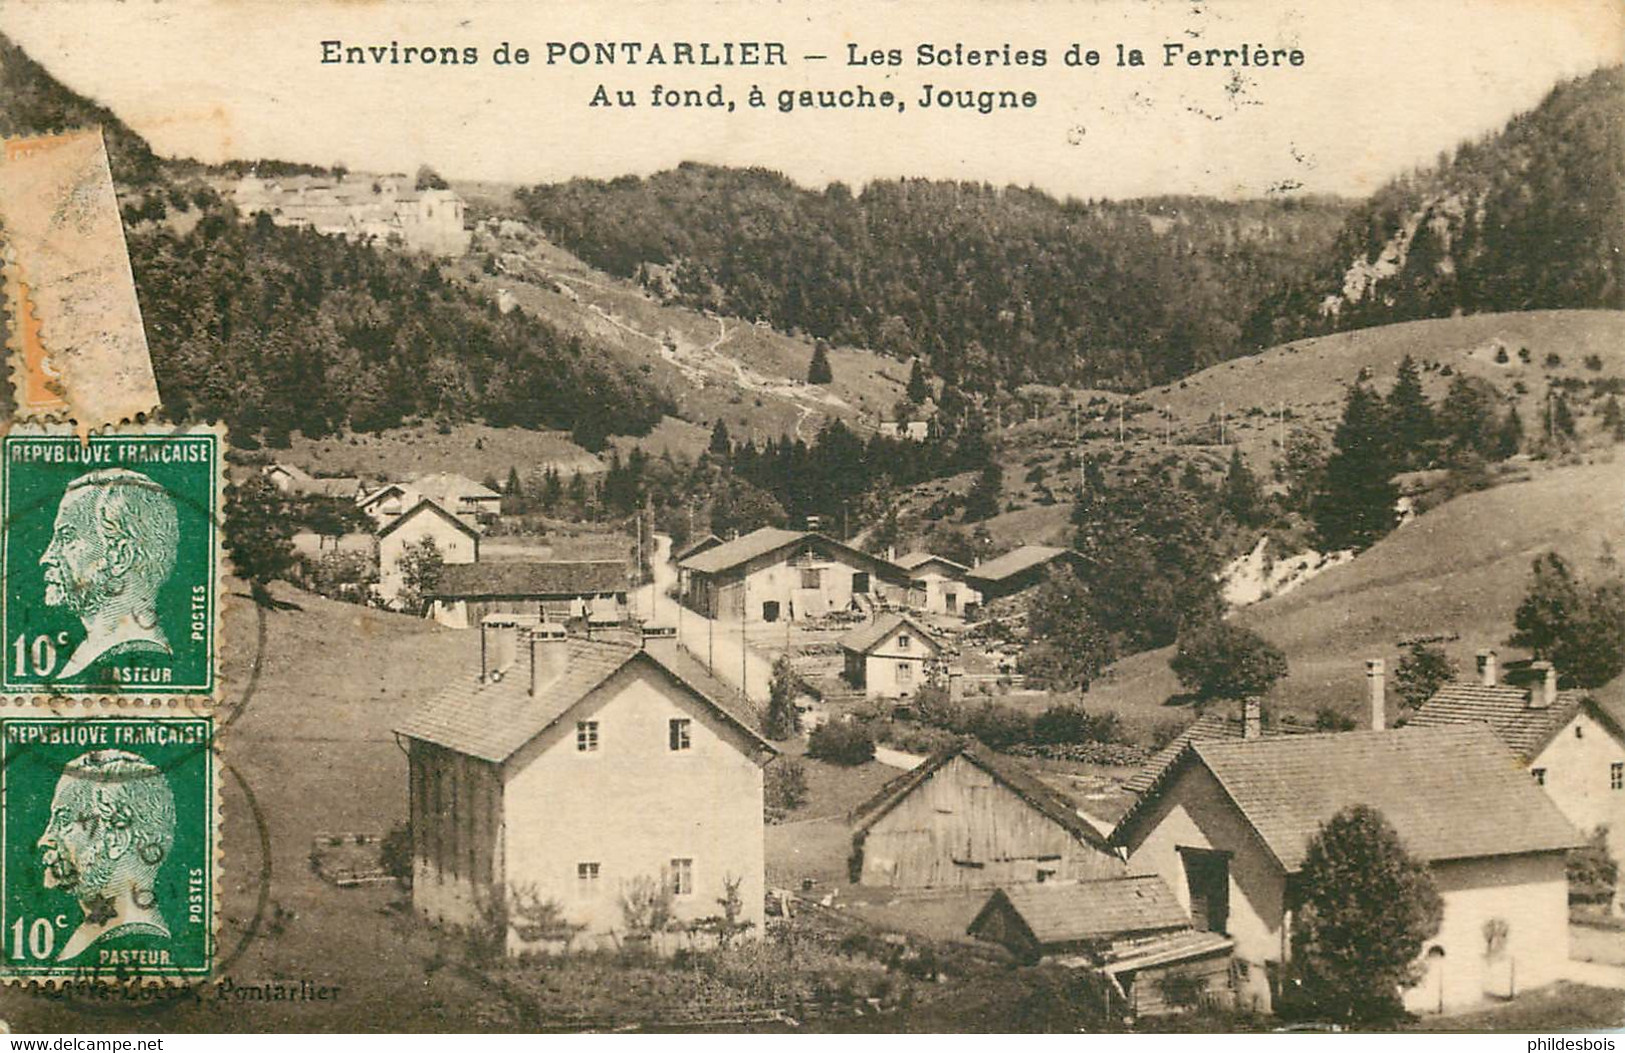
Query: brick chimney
[[1252, 718], [499, 646], [1376, 689], [1488, 674], [1543, 694], [549, 655]]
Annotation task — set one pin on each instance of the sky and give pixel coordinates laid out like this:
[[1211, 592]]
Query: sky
[[1383, 87]]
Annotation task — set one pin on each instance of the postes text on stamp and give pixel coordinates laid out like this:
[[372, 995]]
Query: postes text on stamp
[[111, 559], [107, 845]]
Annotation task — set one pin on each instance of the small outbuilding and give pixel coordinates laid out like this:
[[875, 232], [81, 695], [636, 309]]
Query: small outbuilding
[[890, 657], [1019, 570]]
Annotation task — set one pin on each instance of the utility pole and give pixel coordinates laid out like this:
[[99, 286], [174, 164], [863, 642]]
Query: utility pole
[[1120, 424]]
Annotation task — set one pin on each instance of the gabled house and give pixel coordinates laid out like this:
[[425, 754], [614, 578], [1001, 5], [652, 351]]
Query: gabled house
[[472, 502], [937, 585], [968, 818], [1018, 570], [574, 772], [591, 592], [456, 541], [891, 657], [1572, 745], [291, 479], [1229, 824], [773, 575]]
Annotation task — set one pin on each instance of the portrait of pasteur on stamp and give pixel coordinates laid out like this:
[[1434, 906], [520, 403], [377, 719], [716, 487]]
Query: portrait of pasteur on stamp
[[111, 560], [108, 840]]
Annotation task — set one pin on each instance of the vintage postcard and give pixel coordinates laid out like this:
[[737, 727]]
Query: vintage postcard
[[1042, 516], [108, 845], [111, 560]]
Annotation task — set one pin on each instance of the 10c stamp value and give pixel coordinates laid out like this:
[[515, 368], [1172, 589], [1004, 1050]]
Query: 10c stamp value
[[107, 846], [111, 561]]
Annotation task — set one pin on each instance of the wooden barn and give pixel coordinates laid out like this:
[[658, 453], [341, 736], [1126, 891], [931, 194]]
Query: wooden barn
[[582, 591], [1019, 570], [1131, 928], [967, 818]]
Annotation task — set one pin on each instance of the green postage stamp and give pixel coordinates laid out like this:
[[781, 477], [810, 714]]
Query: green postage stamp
[[107, 845], [111, 553]]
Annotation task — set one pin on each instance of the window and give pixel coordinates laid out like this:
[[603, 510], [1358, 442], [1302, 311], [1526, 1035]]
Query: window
[[860, 581], [1579, 732], [682, 877], [587, 878], [1616, 776], [586, 736], [1207, 876], [1540, 776], [905, 673], [809, 577], [903, 642], [677, 733]]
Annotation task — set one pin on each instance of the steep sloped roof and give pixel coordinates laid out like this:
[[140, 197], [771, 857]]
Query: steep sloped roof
[[1070, 912], [558, 578], [1507, 711], [1450, 792], [492, 719], [1030, 789], [426, 507], [1211, 726], [864, 638]]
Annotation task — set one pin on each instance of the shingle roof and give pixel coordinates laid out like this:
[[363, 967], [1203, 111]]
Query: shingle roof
[[579, 578], [1211, 726], [1525, 728], [1166, 950], [451, 486], [865, 637], [742, 549], [1016, 561], [680, 663], [1046, 801], [491, 720], [1450, 792], [709, 541], [1056, 912]]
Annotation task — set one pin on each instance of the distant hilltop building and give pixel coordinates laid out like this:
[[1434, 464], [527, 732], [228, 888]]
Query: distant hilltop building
[[361, 208]]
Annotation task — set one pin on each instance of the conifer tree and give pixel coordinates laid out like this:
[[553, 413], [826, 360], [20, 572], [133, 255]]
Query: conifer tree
[[721, 444], [919, 389], [1410, 416], [1241, 496], [1354, 506], [1509, 440], [818, 371]]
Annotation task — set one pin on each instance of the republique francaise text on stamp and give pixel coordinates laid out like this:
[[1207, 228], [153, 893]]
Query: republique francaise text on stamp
[[111, 561], [107, 845]]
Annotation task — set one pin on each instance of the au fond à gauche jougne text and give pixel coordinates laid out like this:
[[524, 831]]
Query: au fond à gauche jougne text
[[962, 76]]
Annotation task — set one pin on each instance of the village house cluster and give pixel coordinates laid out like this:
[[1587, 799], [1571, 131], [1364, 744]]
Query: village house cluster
[[579, 699], [388, 209]]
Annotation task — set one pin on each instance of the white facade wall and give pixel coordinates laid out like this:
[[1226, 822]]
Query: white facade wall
[[456, 545], [635, 805], [1579, 777]]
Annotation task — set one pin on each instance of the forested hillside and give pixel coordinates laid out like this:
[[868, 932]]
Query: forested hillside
[[994, 285], [1530, 217], [273, 329]]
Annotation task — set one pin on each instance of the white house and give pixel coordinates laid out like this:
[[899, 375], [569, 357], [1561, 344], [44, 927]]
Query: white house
[[1572, 744], [574, 772], [890, 657], [772, 575], [1228, 826], [937, 584], [456, 541], [472, 502]]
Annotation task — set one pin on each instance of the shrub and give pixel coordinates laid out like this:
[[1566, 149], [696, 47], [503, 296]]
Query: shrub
[[842, 742], [395, 854], [1592, 871], [998, 725], [1218, 660], [786, 785]]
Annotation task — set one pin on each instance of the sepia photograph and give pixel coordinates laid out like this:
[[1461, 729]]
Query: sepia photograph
[[717, 517]]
